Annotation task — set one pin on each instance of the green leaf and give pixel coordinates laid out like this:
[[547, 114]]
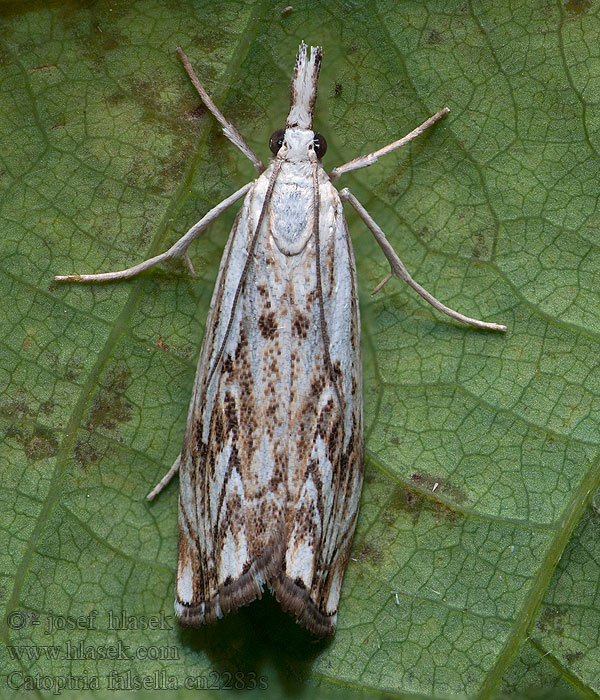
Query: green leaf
[[566, 627], [482, 448]]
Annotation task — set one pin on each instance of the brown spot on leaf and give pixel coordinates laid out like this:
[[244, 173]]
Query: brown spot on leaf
[[577, 7], [47, 407], [434, 37], [387, 519], [573, 657], [174, 165], [38, 442], [480, 250], [17, 409], [115, 98], [46, 66], [195, 113], [406, 499], [367, 551], [73, 370], [41, 445], [111, 41], [110, 408], [550, 620], [86, 453]]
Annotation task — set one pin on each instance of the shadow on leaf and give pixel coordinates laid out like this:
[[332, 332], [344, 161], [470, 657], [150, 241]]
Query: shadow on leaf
[[255, 639]]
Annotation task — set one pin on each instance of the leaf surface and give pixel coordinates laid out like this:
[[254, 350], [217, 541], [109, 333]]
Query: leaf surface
[[482, 448]]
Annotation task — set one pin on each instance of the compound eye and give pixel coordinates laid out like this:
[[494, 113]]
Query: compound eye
[[320, 145], [276, 141]]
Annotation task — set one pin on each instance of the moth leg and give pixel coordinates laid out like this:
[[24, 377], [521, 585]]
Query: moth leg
[[190, 265], [370, 158], [398, 269], [165, 480], [228, 129], [179, 248]]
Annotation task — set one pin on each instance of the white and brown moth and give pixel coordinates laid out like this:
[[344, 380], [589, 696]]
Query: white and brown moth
[[271, 468]]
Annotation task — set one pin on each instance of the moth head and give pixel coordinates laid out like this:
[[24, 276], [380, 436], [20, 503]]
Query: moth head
[[299, 139], [298, 143], [303, 89]]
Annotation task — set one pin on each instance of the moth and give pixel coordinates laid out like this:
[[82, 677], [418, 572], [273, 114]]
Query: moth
[[271, 467]]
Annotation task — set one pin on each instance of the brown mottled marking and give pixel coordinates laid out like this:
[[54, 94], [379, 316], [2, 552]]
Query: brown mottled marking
[[267, 324], [227, 366], [231, 413], [301, 324]]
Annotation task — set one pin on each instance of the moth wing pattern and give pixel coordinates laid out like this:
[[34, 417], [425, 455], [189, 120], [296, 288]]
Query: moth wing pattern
[[326, 450], [224, 548], [271, 468]]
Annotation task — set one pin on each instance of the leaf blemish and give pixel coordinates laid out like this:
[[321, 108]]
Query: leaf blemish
[[86, 454], [414, 503], [115, 98], [434, 37], [551, 620], [110, 42], [47, 407], [407, 500], [39, 443], [110, 408], [480, 249], [573, 657], [577, 7], [42, 444], [195, 113], [174, 166], [47, 66], [16, 409], [366, 550]]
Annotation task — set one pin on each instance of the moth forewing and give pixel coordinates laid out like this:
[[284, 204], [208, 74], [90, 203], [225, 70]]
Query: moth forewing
[[271, 468], [229, 476], [272, 462], [325, 466]]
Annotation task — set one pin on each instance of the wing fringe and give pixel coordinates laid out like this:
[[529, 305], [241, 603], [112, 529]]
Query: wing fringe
[[231, 596], [266, 570], [297, 601]]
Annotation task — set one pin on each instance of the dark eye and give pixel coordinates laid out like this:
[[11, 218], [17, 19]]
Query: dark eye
[[320, 145], [276, 141]]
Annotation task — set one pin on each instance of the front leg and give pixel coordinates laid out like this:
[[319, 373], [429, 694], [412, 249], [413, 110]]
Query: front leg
[[179, 248], [398, 269], [370, 158], [228, 128]]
